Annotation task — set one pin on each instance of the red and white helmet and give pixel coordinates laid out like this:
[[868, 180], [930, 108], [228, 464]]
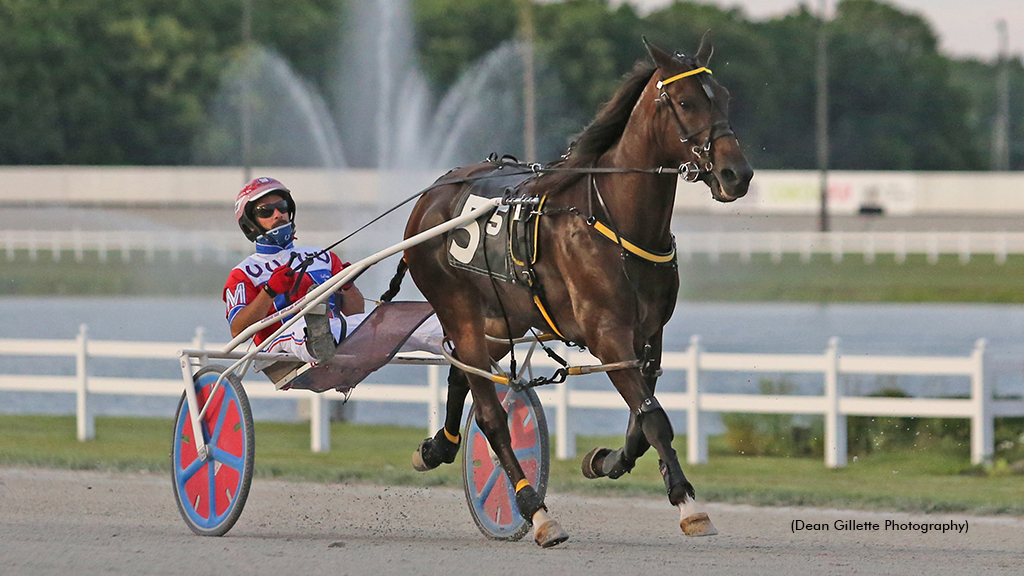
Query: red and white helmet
[[253, 191]]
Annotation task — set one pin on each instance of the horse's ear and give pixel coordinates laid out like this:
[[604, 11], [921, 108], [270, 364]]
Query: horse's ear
[[706, 50], [662, 59]]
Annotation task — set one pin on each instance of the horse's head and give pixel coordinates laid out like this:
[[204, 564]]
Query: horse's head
[[693, 122]]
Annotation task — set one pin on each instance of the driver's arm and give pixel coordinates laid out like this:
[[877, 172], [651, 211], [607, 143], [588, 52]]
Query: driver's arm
[[354, 302], [252, 313]]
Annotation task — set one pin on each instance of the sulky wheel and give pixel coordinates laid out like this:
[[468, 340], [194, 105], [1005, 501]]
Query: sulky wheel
[[491, 498], [211, 493]]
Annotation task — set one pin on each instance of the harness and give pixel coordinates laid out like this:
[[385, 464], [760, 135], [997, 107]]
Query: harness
[[691, 170]]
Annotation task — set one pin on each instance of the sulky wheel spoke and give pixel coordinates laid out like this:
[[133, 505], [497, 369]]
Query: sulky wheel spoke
[[190, 471], [485, 492], [212, 491], [526, 454], [220, 419], [228, 459]]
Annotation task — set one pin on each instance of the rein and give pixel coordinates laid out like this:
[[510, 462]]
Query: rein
[[536, 168]]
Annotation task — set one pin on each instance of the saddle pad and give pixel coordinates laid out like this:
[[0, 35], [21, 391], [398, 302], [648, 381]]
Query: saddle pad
[[371, 345], [482, 246]]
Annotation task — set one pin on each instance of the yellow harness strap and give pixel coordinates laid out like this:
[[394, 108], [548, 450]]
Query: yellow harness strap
[[633, 248], [522, 484], [453, 439], [544, 313], [683, 75]]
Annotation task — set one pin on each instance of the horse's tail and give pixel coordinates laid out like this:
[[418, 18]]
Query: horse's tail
[[396, 282]]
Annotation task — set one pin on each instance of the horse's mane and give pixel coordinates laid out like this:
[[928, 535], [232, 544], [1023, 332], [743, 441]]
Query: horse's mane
[[602, 133]]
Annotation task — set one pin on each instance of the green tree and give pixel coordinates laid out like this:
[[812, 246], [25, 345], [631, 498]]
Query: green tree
[[744, 62], [892, 106], [977, 80], [783, 124], [591, 46], [453, 34]]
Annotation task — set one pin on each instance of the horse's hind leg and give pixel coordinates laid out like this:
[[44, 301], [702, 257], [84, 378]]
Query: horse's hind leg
[[444, 446], [468, 335]]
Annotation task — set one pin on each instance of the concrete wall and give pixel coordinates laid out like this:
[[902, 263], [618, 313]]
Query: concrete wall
[[772, 191]]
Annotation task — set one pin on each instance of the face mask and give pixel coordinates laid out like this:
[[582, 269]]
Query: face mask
[[281, 236]]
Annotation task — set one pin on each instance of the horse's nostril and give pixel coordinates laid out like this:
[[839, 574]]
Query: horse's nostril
[[729, 176]]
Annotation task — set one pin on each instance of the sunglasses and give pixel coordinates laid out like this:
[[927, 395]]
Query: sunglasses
[[267, 210]]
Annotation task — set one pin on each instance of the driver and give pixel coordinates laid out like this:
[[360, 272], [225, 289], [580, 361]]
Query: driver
[[266, 282]]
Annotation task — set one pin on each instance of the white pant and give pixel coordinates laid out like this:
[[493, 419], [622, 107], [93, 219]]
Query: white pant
[[427, 338]]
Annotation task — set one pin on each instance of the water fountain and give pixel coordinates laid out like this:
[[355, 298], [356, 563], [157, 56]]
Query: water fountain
[[382, 116], [291, 125], [382, 112]]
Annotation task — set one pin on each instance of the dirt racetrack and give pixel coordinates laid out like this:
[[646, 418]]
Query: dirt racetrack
[[57, 522]]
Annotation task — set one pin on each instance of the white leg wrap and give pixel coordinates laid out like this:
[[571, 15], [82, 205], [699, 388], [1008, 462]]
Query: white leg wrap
[[688, 508], [540, 517]]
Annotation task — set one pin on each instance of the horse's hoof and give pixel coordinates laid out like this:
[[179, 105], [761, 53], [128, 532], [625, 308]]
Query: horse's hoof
[[698, 525], [417, 459], [593, 461], [546, 530]]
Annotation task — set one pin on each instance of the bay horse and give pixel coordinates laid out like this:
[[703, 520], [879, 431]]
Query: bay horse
[[605, 276]]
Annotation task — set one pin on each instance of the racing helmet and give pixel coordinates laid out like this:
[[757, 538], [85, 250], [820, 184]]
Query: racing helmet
[[246, 200]]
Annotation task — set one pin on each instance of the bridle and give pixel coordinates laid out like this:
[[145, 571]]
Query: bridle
[[701, 163]]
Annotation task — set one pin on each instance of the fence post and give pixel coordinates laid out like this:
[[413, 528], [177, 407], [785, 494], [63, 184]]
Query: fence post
[[835, 421], [696, 440], [806, 247], [901, 248], [982, 421], [84, 416], [434, 405], [1001, 248], [76, 236], [199, 340], [837, 246], [101, 247], [965, 247], [126, 250], [33, 253], [55, 248], [565, 447], [319, 423]]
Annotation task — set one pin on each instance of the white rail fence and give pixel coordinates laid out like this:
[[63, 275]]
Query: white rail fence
[[964, 245], [202, 245], [980, 408]]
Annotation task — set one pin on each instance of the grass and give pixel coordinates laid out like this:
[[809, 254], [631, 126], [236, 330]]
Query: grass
[[852, 280], [729, 279], [68, 277], [910, 480]]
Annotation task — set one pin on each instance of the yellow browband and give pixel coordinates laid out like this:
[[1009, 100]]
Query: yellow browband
[[683, 75]]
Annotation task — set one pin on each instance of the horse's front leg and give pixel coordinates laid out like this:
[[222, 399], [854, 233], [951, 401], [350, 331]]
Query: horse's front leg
[[603, 461], [647, 416]]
